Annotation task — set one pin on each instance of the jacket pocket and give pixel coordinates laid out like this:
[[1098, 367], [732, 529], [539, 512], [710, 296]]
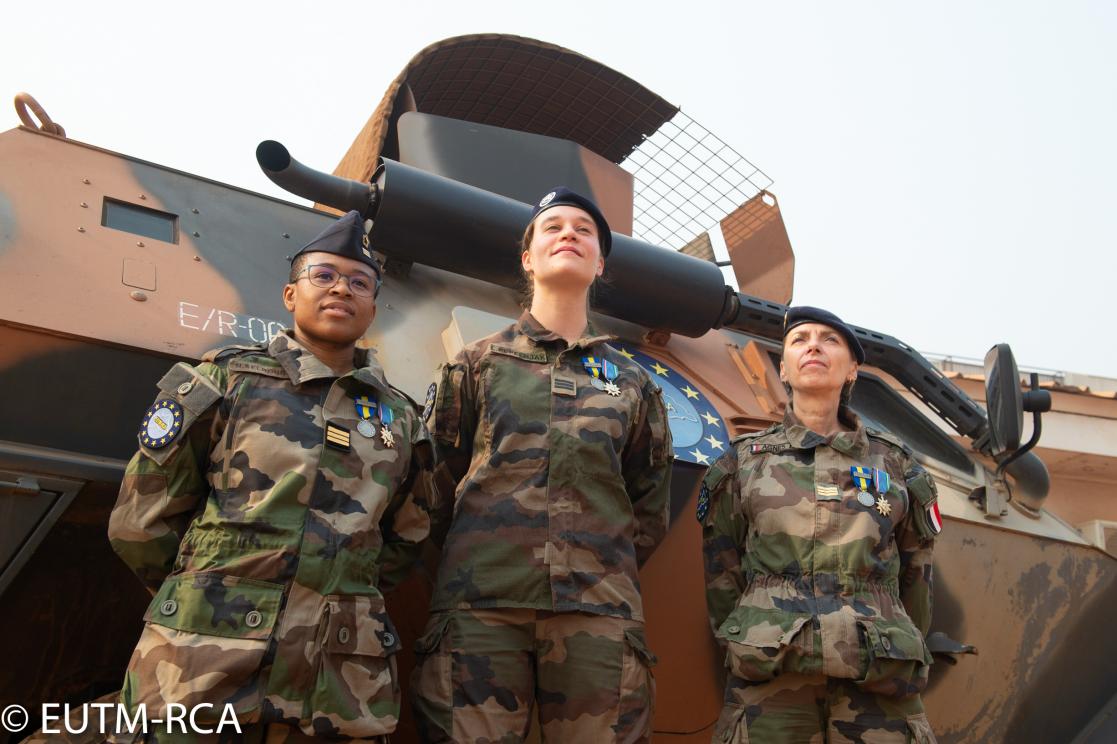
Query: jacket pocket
[[356, 693], [203, 641], [898, 658], [762, 643]]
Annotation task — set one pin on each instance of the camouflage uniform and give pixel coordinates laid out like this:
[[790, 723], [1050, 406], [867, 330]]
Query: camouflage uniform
[[267, 543], [821, 601], [553, 493]]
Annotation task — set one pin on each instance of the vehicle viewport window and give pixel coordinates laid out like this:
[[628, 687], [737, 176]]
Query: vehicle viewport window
[[151, 223]]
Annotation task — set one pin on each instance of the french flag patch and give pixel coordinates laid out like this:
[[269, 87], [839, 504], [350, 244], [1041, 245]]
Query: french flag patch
[[934, 517]]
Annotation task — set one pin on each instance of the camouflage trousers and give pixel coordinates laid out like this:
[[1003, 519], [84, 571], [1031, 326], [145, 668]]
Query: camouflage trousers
[[480, 673], [813, 709]]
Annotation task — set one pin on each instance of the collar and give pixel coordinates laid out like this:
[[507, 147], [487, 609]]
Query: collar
[[853, 443], [528, 326], [301, 365]]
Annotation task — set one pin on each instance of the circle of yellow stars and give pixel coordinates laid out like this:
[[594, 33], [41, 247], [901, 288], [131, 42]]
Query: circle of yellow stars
[[716, 444]]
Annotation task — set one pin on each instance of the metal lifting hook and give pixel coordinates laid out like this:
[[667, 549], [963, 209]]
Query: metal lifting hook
[[25, 101]]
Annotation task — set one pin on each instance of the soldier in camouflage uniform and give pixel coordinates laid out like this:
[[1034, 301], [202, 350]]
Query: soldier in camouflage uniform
[[817, 538], [555, 461], [277, 490]]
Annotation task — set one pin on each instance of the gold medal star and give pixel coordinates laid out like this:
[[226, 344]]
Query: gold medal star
[[387, 437], [627, 354], [659, 369], [714, 442], [701, 458], [690, 392], [710, 419], [883, 506]]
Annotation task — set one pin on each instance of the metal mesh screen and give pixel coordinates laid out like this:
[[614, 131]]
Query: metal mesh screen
[[686, 180]]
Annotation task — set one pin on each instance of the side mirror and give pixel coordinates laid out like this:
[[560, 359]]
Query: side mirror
[[1004, 400]]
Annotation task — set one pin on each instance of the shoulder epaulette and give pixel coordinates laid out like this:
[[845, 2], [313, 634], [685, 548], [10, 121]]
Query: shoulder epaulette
[[224, 352], [415, 406], [889, 437], [753, 434]]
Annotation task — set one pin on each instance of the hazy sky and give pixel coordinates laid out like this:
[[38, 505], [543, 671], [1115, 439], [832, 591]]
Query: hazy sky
[[946, 171]]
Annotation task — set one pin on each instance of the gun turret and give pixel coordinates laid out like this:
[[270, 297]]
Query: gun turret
[[422, 217]]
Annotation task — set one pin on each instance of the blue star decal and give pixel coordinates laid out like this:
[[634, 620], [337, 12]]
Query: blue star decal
[[697, 431]]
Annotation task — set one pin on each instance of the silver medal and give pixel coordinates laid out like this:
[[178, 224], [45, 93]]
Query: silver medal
[[866, 499], [612, 389], [366, 428]]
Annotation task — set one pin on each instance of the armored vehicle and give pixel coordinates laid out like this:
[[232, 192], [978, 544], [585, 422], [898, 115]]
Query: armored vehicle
[[115, 268]]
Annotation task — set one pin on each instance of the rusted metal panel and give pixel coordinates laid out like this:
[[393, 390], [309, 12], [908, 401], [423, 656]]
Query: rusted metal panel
[[763, 261]]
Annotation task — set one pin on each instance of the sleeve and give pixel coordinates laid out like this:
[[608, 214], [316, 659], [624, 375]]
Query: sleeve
[[646, 465], [452, 429], [406, 522], [915, 540], [165, 484], [724, 529]]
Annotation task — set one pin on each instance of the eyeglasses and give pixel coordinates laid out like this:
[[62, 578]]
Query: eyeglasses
[[325, 277]]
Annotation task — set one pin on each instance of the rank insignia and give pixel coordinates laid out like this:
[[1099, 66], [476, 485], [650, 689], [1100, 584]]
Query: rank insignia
[[883, 506], [826, 491], [703, 502], [161, 424], [337, 437], [428, 407]]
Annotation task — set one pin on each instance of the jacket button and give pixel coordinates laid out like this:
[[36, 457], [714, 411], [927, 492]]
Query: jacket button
[[886, 643], [253, 619], [734, 629], [389, 639], [169, 607], [185, 388], [343, 636]]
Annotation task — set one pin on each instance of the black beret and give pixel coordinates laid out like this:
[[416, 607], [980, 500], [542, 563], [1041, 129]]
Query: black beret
[[561, 196], [803, 314], [346, 237]]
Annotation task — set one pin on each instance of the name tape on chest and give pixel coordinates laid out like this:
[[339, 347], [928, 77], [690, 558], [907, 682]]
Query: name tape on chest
[[536, 357]]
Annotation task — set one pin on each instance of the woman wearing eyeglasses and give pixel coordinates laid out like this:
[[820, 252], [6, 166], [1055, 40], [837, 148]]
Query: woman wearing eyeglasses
[[555, 470], [817, 535], [278, 489]]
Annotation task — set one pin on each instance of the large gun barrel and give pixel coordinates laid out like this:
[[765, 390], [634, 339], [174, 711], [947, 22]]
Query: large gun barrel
[[422, 217], [437, 221]]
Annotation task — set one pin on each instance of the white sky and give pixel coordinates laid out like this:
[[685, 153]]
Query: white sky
[[946, 171]]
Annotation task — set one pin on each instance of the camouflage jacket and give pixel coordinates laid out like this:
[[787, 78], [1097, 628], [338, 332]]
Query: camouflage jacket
[[552, 490], [266, 526], [803, 576]]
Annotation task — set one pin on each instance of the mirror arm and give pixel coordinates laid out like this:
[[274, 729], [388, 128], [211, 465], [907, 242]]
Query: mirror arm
[[1037, 401]]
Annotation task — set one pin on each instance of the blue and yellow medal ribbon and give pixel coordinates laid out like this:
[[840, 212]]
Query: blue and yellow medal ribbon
[[365, 407], [862, 476], [601, 368]]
